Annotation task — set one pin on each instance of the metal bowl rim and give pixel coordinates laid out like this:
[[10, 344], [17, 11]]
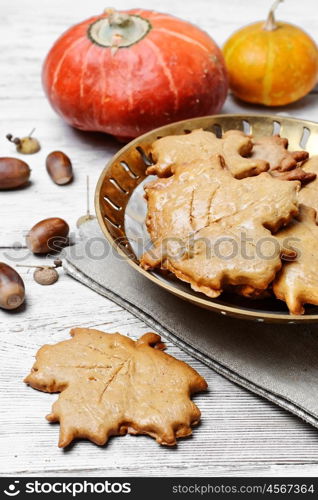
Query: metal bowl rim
[[207, 304]]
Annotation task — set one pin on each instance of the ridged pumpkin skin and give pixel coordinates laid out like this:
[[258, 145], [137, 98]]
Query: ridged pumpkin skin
[[175, 72], [273, 68]]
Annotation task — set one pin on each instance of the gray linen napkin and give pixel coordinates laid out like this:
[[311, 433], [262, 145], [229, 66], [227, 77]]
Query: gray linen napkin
[[278, 362]]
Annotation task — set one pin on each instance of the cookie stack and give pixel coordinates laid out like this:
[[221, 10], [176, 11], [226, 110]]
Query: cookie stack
[[235, 213]]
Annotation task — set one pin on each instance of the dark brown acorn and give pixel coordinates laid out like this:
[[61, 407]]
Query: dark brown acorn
[[48, 235], [14, 173], [12, 291], [59, 167]]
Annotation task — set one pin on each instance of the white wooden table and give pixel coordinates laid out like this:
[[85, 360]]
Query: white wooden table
[[240, 434]]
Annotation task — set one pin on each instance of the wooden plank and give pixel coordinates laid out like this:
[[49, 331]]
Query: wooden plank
[[23, 105], [240, 434]]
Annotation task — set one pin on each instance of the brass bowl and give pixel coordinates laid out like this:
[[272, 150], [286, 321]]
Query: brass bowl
[[121, 209]]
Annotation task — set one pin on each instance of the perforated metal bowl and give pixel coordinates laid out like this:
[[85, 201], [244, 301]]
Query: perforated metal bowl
[[121, 208]]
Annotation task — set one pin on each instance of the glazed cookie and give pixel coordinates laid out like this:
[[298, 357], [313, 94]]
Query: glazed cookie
[[171, 151], [112, 385], [214, 231], [297, 283]]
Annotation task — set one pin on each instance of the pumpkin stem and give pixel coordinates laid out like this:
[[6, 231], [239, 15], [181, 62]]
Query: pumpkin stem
[[117, 18], [118, 30], [270, 24]]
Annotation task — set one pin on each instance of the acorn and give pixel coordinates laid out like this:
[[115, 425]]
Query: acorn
[[26, 145], [12, 291], [48, 235], [46, 275], [13, 173], [59, 167]]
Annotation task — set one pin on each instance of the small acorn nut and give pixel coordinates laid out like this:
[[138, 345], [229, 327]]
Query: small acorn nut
[[59, 167], [26, 145], [48, 235], [46, 275], [12, 291], [14, 173]]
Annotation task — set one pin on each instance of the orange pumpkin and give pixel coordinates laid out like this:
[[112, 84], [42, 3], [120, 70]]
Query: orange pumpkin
[[125, 73], [271, 63]]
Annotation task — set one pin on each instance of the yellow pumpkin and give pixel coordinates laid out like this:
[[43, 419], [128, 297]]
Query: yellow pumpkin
[[271, 63]]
